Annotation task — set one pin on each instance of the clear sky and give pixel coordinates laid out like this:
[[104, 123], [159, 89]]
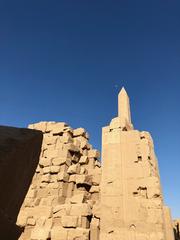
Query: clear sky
[[67, 60]]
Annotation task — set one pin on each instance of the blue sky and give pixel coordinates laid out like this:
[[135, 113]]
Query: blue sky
[[67, 61]]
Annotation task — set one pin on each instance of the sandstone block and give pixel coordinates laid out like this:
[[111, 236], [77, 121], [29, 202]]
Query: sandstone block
[[78, 198], [73, 169], [31, 193], [83, 170], [96, 179], [58, 128], [85, 223], [46, 178], [77, 142], [53, 185], [54, 169], [63, 176], [94, 189], [46, 201], [82, 209], [79, 132], [66, 138], [78, 233], [40, 233], [63, 190], [31, 222], [59, 233], [70, 189], [45, 162], [72, 178], [50, 140], [46, 170], [61, 210], [63, 168], [96, 210], [83, 160], [38, 126], [40, 211], [22, 219], [71, 147], [93, 153], [69, 221], [51, 153], [61, 160], [84, 179]]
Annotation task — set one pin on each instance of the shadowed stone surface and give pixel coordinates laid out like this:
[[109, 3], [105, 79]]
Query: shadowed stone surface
[[19, 156]]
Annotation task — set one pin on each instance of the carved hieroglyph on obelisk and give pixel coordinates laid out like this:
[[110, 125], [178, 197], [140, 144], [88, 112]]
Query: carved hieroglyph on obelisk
[[131, 196]]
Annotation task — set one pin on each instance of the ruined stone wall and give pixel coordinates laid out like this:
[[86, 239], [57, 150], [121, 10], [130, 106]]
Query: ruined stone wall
[[63, 199], [70, 199]]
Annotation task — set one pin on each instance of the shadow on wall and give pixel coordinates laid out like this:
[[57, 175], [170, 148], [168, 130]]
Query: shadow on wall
[[19, 156], [176, 231]]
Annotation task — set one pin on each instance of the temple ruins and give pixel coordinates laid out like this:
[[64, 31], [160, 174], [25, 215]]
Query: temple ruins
[[64, 189]]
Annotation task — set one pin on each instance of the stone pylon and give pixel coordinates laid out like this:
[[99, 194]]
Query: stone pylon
[[131, 198]]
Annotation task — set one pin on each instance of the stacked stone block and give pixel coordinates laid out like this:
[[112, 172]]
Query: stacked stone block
[[63, 200]]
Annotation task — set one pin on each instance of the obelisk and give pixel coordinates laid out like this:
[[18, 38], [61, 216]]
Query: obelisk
[[131, 197], [123, 105]]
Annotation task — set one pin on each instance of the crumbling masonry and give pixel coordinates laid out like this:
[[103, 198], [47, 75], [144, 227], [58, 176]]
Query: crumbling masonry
[[73, 197]]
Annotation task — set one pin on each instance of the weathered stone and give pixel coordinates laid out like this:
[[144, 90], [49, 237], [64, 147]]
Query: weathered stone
[[54, 169], [63, 176], [78, 198], [71, 147], [70, 189], [61, 160], [57, 128], [46, 178], [40, 233], [83, 160], [83, 179], [59, 233], [74, 169], [79, 132], [31, 222], [46, 170], [78, 233], [69, 221], [83, 209], [45, 162], [93, 154], [94, 189]]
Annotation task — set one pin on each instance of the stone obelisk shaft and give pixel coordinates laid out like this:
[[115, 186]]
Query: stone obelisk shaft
[[124, 106]]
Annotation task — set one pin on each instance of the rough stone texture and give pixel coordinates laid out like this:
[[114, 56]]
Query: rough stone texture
[[65, 188], [131, 196], [19, 157]]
